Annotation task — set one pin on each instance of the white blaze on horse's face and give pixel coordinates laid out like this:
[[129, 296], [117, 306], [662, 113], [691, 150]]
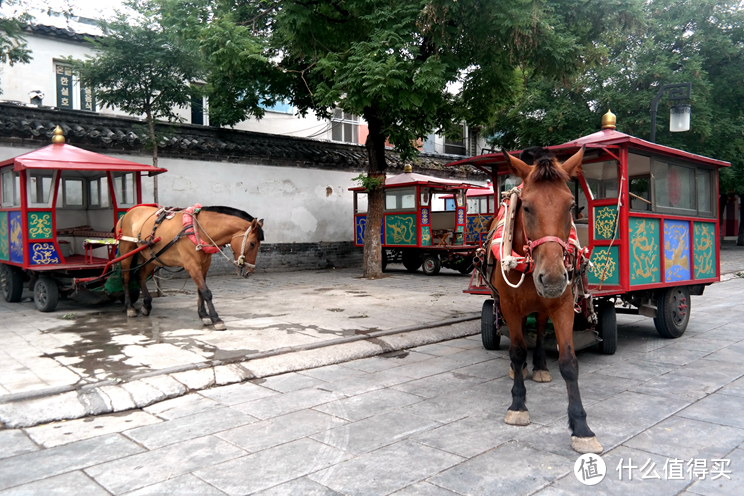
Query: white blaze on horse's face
[[245, 246]]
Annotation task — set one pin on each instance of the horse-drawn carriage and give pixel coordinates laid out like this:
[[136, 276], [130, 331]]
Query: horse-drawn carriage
[[59, 205], [424, 223], [647, 213]]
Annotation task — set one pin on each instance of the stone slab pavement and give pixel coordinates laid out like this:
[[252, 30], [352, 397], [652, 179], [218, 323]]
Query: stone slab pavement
[[428, 420]]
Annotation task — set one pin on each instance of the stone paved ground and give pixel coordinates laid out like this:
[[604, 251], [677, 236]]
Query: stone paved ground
[[426, 421]]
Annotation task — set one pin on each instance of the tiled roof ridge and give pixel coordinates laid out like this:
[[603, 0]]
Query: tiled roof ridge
[[49, 30], [28, 126]]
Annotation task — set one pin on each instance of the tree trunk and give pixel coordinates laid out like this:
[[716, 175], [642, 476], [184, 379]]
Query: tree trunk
[[375, 145], [154, 143], [740, 234]]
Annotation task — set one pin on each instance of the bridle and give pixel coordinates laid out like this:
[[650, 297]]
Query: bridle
[[240, 262], [569, 249]]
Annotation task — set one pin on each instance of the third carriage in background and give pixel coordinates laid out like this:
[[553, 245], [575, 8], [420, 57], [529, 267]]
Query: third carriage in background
[[424, 223], [647, 213]]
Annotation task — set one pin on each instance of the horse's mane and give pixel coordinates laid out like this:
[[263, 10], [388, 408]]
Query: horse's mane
[[546, 167], [241, 214]]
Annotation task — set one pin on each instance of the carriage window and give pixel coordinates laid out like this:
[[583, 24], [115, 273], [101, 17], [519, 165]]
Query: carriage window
[[480, 205], [361, 203], [11, 189], [601, 177], [640, 193], [674, 186], [508, 182], [72, 191], [579, 212], [39, 188], [124, 188], [94, 193], [425, 196], [400, 199], [703, 192]]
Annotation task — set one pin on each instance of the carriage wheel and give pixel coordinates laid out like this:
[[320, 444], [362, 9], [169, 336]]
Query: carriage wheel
[[46, 294], [384, 259], [411, 261], [490, 337], [673, 311], [11, 282], [607, 327], [431, 264]]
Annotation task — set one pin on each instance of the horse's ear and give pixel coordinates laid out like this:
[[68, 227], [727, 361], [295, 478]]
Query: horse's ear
[[260, 222], [571, 166], [516, 166]]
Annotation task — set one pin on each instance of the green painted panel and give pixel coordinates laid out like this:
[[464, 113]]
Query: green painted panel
[[645, 263], [4, 239], [604, 222], [425, 236], [40, 225], [400, 229], [705, 250], [606, 266]]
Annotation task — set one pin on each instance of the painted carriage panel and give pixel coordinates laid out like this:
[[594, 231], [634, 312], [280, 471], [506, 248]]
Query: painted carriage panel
[[425, 236], [361, 224], [605, 266], [677, 250], [43, 254], [477, 227], [460, 216], [4, 237], [705, 249], [400, 229], [15, 223], [604, 222], [40, 225], [645, 263], [424, 216]]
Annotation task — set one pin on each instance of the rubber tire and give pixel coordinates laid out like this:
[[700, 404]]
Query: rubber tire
[[46, 294], [607, 328], [668, 322], [11, 281], [411, 261], [384, 260], [431, 265], [491, 339]]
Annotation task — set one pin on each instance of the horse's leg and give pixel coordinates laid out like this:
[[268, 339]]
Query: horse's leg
[[517, 413], [203, 314], [194, 268], [583, 439], [539, 366], [525, 370], [143, 274], [126, 265]]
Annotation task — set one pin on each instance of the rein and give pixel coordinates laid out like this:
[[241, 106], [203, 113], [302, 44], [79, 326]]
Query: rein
[[241, 259]]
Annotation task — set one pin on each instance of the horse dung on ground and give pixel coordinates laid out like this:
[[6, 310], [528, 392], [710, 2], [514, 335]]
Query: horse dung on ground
[[187, 238], [541, 282]]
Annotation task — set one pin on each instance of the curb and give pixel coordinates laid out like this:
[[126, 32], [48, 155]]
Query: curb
[[74, 401]]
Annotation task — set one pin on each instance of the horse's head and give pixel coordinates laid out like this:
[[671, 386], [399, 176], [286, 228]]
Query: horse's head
[[245, 246], [546, 216]]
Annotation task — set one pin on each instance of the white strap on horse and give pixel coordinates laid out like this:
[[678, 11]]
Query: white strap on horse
[[508, 261], [241, 259]]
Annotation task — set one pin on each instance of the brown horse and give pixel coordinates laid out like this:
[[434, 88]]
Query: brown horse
[[214, 226], [543, 222]]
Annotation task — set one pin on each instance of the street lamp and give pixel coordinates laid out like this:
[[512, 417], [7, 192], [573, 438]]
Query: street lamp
[[679, 117]]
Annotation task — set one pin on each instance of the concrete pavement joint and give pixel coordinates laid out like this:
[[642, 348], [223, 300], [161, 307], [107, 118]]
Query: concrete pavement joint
[[41, 406]]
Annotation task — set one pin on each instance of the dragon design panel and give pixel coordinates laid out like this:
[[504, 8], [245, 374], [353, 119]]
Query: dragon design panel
[[704, 250], [676, 250], [645, 263], [43, 254], [400, 229], [15, 223], [4, 237], [425, 236], [477, 226], [361, 225]]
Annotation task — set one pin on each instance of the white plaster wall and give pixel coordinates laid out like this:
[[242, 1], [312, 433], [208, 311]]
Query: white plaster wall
[[288, 125]]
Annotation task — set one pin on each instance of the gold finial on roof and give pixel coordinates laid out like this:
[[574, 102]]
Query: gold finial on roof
[[407, 168], [609, 120], [58, 136]]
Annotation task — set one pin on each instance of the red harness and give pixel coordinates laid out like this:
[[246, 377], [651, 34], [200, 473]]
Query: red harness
[[526, 262], [188, 221]]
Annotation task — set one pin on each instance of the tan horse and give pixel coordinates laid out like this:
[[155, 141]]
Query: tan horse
[[543, 221], [215, 226]]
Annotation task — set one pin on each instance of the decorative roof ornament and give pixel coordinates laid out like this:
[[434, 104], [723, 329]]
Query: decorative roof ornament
[[407, 168], [58, 137], [609, 120]]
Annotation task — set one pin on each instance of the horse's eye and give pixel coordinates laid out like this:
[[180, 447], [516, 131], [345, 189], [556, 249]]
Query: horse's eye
[[253, 245], [527, 210]]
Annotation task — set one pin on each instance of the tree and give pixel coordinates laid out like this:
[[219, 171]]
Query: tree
[[701, 42], [394, 62], [13, 46], [140, 68]]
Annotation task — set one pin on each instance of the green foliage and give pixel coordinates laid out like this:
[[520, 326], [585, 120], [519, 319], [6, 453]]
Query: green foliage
[[13, 46], [369, 183]]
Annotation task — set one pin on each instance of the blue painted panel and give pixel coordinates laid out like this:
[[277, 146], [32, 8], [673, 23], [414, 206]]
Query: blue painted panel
[[676, 250], [16, 237], [43, 254]]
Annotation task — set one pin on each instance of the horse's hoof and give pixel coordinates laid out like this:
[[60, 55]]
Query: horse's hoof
[[541, 376], [525, 371], [220, 326], [145, 311], [586, 444], [131, 312], [207, 321], [517, 418]]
